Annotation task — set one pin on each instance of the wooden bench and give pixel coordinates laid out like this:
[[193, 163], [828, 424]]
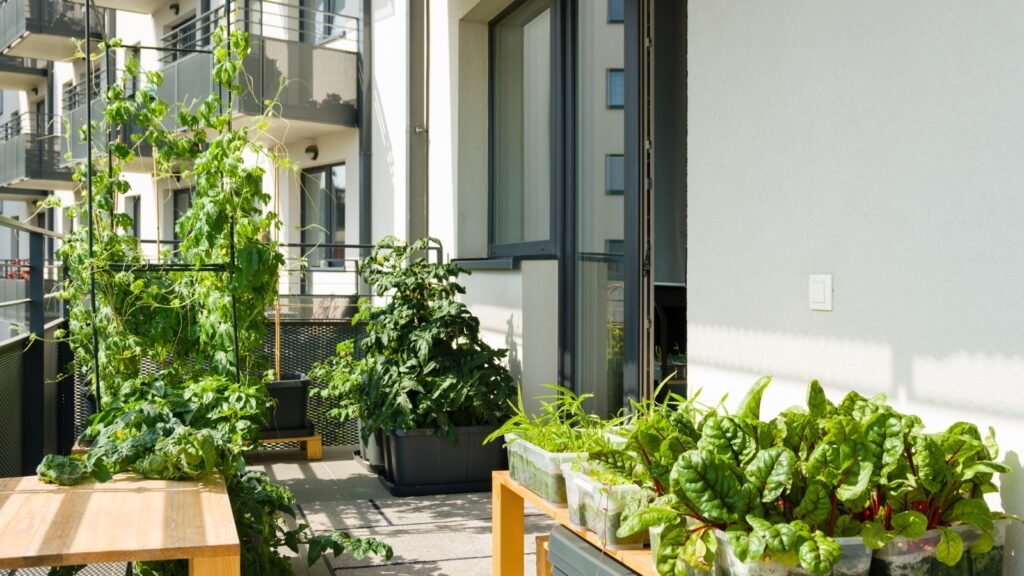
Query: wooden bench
[[507, 530], [312, 445], [129, 519]]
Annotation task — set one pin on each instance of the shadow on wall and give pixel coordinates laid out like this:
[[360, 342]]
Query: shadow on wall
[[515, 366]]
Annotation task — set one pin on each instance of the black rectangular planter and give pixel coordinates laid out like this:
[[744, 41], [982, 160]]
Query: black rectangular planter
[[288, 418], [418, 463]]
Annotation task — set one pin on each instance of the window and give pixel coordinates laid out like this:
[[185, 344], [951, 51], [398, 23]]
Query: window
[[323, 215], [615, 174], [182, 202], [520, 188], [616, 88], [131, 208], [49, 217], [318, 21], [182, 36], [616, 11]]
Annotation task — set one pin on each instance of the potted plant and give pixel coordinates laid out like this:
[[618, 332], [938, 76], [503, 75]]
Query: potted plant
[[427, 380], [198, 316], [561, 432]]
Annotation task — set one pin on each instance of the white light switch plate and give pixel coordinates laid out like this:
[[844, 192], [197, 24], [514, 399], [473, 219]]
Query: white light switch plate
[[819, 292]]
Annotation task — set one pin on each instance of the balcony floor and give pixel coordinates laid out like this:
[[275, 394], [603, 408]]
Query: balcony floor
[[431, 535]]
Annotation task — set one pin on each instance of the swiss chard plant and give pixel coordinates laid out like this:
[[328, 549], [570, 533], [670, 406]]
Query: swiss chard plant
[[196, 327], [424, 363]]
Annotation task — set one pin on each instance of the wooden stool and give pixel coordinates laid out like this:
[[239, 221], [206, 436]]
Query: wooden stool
[[313, 445]]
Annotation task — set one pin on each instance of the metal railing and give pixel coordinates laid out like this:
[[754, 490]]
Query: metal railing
[[55, 17], [30, 313], [29, 124], [265, 18]]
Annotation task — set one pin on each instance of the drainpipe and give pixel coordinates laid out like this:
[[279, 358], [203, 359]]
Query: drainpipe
[[419, 135], [364, 79]]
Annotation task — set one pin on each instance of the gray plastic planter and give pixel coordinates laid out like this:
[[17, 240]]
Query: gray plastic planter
[[288, 417], [418, 463], [372, 451]]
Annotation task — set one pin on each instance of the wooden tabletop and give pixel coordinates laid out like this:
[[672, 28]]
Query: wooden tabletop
[[639, 561], [129, 519]]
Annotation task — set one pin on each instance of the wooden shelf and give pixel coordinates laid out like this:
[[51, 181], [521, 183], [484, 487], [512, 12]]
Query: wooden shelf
[[507, 529]]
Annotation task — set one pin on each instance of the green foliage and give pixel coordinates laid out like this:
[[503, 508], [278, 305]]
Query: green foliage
[[561, 425], [206, 402], [424, 362]]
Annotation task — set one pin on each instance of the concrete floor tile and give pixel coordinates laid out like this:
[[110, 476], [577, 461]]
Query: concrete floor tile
[[343, 515], [464, 567], [435, 509]]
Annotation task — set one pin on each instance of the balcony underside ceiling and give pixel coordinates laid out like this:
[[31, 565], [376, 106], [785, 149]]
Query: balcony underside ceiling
[[28, 195], [43, 47], [16, 76], [283, 130], [140, 6], [33, 184]]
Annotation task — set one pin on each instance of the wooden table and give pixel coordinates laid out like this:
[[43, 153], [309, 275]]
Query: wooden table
[[507, 529], [129, 519]]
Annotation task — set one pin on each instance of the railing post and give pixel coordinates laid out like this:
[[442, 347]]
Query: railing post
[[33, 417]]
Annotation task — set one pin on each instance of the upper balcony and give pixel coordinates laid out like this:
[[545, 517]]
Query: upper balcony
[[139, 6], [43, 29], [19, 73], [74, 148], [30, 154], [305, 59]]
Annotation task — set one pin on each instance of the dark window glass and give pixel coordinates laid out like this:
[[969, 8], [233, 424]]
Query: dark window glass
[[616, 11], [182, 202], [616, 88], [615, 173], [521, 125], [323, 215]]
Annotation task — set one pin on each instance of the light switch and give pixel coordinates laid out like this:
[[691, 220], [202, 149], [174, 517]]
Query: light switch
[[819, 292]]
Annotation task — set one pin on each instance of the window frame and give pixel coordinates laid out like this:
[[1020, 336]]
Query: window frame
[[621, 20], [535, 249], [327, 170], [621, 72], [607, 175]]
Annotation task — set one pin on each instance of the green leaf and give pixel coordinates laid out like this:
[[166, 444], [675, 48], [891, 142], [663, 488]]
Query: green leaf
[[816, 505], [950, 548], [853, 493], [710, 484], [874, 535], [771, 472], [972, 511], [909, 524], [817, 403], [819, 554], [750, 407]]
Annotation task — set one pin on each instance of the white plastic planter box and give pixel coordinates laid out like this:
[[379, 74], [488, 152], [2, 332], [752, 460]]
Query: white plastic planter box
[[854, 561], [598, 507], [538, 469], [729, 565], [906, 556]]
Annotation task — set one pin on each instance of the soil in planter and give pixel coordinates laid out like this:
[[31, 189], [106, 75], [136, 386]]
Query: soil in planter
[[988, 563], [907, 565], [548, 486]]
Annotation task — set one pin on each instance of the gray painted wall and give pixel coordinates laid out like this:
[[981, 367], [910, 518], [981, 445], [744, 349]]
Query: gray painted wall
[[882, 143]]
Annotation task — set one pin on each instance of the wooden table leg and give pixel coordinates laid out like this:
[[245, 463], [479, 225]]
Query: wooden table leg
[[543, 566], [218, 566], [506, 530]]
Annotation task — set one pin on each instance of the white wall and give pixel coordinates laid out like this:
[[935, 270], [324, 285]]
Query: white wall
[[878, 142], [390, 127]]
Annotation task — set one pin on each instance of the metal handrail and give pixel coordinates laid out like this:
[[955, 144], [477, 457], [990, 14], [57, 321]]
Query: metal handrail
[[29, 123], [20, 226], [197, 34]]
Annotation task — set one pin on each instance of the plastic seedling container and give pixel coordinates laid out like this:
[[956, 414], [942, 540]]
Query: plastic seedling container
[[991, 563], [727, 564], [655, 536], [906, 556], [854, 561], [576, 495], [538, 469], [600, 508]]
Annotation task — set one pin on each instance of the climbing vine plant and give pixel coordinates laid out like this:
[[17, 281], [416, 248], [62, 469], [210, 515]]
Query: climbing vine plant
[[176, 344]]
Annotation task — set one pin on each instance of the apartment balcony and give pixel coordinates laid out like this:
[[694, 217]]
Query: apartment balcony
[[75, 148], [138, 6], [43, 29], [30, 154], [19, 73], [306, 63]]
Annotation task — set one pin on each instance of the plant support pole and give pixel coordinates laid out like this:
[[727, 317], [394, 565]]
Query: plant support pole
[[277, 239], [88, 178]]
